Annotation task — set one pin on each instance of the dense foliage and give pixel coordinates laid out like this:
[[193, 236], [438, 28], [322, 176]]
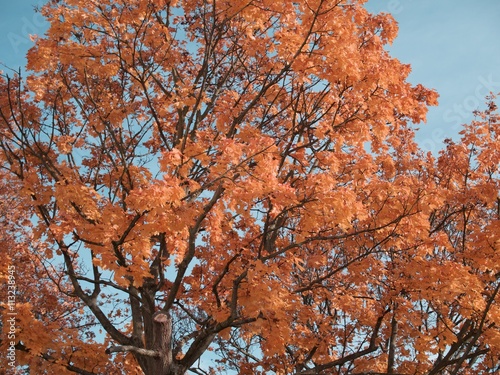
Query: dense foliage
[[199, 186]]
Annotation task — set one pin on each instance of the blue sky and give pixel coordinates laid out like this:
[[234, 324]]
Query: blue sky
[[452, 45]]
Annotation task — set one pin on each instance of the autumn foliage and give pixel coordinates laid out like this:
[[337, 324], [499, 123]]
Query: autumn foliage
[[202, 186]]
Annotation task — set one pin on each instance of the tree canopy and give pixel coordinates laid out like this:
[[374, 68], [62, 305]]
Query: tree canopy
[[239, 181]]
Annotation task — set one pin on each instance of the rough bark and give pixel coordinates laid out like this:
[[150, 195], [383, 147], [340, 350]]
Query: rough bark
[[162, 344]]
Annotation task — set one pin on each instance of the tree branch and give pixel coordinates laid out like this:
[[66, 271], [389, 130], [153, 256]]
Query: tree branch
[[132, 349]]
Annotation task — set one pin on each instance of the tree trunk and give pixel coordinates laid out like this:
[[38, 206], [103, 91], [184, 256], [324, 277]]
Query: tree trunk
[[162, 343]]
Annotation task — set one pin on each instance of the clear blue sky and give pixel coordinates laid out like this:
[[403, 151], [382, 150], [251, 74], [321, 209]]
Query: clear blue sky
[[452, 45]]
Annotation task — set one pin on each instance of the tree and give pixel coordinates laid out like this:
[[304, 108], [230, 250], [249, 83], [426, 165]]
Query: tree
[[242, 178]]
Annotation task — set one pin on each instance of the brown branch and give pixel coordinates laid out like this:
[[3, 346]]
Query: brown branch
[[392, 344], [132, 349], [183, 266], [372, 347], [49, 358]]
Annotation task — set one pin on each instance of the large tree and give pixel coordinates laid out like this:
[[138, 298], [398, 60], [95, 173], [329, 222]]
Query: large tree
[[241, 178]]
